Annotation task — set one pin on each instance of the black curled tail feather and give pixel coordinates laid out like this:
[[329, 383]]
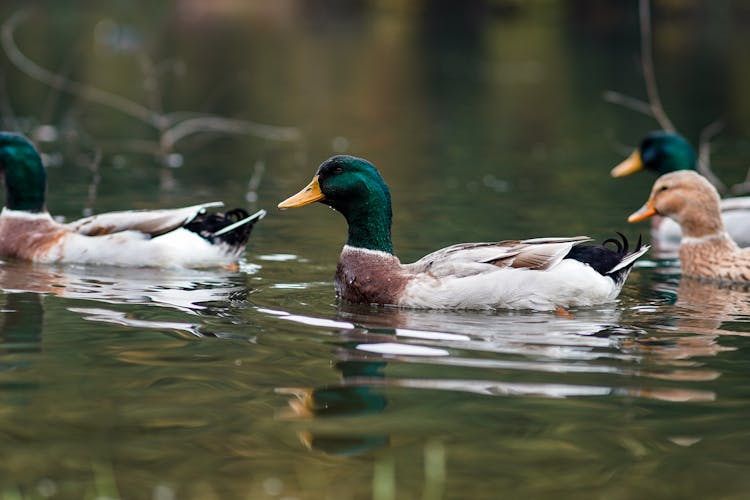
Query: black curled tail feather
[[622, 244], [615, 263], [207, 225]]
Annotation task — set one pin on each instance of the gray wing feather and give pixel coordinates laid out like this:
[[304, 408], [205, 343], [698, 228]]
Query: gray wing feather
[[151, 222], [467, 259]]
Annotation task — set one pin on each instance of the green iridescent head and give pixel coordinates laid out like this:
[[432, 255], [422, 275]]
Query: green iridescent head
[[25, 176], [661, 152], [354, 187]]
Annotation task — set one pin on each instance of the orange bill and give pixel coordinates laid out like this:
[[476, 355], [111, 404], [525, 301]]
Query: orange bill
[[646, 211], [309, 194], [630, 165]]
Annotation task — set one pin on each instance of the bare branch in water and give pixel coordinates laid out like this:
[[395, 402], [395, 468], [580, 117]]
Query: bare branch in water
[[172, 127], [653, 107], [741, 188], [647, 64], [254, 183], [218, 124], [59, 82], [6, 109], [627, 101], [96, 178], [704, 154]]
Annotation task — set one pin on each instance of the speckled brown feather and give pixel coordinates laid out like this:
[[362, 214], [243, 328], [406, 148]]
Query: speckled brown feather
[[717, 259]]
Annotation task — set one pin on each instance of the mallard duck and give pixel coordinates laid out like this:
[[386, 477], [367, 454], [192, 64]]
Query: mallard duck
[[182, 237], [706, 251], [664, 152], [540, 274]]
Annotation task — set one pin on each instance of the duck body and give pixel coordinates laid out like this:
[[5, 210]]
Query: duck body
[[182, 237], [458, 277], [735, 212], [538, 274], [665, 152], [707, 251]]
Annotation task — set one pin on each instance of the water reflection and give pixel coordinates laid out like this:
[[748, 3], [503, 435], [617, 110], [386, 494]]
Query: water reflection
[[354, 397], [182, 289], [706, 307], [692, 324], [194, 292], [599, 352], [22, 319]]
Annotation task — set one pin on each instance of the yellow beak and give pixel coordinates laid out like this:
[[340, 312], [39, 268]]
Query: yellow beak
[[309, 194], [630, 165], [646, 211]]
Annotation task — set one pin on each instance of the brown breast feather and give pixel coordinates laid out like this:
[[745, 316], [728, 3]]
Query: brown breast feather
[[28, 239], [369, 278], [719, 260]]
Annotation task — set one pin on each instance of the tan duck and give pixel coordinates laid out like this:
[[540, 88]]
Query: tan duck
[[707, 251]]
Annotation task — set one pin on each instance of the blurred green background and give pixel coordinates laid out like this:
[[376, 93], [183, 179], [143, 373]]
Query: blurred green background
[[458, 103]]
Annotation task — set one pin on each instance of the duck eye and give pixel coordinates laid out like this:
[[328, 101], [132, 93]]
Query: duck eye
[[338, 170]]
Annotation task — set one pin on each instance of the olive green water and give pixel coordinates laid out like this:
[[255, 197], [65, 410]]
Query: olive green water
[[487, 121]]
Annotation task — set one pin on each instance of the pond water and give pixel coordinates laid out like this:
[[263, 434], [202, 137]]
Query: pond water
[[487, 121]]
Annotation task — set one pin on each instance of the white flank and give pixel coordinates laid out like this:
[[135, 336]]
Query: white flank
[[568, 284], [178, 248]]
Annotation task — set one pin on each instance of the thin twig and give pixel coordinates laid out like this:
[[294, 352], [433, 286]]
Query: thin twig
[[647, 64], [254, 183], [654, 108], [170, 127], [96, 178], [627, 101], [6, 108], [59, 82], [151, 83], [704, 154], [212, 123]]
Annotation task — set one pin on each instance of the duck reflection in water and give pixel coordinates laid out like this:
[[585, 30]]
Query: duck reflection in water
[[594, 354], [706, 307], [549, 343], [354, 397], [20, 339], [191, 291], [22, 319]]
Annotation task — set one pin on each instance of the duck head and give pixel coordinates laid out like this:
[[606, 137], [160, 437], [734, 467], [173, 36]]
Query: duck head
[[661, 152], [25, 176], [355, 188], [689, 199]]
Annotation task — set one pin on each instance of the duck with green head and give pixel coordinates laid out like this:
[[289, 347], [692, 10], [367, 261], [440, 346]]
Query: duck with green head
[[664, 152], [539, 274], [182, 237]]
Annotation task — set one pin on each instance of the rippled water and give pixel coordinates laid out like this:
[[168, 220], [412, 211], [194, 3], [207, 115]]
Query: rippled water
[[256, 383], [235, 385]]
